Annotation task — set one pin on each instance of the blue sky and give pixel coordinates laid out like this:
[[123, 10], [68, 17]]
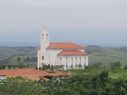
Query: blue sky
[[97, 22]]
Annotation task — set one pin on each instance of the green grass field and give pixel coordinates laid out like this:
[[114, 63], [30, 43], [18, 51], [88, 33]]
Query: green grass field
[[106, 55], [114, 74]]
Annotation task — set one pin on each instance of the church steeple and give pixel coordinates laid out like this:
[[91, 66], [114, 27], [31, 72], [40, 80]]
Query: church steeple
[[44, 39], [45, 33], [45, 28]]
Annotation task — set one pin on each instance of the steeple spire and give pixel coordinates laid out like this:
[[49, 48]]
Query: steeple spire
[[45, 30], [45, 27]]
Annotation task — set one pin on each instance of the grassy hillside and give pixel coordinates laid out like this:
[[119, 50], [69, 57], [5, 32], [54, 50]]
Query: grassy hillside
[[12, 51], [8, 55], [106, 55]]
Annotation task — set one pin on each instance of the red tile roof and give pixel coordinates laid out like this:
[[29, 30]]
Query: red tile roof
[[64, 45], [31, 74], [72, 52]]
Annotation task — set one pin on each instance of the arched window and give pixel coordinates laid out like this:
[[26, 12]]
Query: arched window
[[60, 60], [76, 61], [47, 36], [72, 62], [42, 57], [72, 59], [80, 60], [66, 61]]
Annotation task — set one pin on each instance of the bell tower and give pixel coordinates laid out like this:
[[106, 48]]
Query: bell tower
[[44, 40], [44, 43]]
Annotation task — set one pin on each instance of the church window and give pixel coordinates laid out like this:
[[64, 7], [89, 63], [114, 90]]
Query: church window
[[80, 59], [60, 60], [72, 59], [76, 59], [67, 60], [47, 36], [42, 57]]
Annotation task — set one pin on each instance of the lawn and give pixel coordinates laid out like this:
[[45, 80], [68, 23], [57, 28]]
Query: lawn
[[115, 74], [119, 73]]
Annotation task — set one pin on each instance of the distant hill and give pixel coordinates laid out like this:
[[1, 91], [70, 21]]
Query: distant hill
[[8, 55], [124, 49], [17, 44], [106, 54], [92, 49]]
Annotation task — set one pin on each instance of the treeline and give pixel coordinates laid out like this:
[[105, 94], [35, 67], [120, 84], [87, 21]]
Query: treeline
[[26, 59], [113, 65], [19, 62]]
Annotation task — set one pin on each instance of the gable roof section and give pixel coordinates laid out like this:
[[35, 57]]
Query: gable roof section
[[72, 53], [64, 45]]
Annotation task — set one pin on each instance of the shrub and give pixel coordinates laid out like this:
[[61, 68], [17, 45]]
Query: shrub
[[115, 65]]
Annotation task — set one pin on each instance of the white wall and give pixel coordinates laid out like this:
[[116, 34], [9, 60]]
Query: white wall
[[52, 56], [75, 62], [38, 59]]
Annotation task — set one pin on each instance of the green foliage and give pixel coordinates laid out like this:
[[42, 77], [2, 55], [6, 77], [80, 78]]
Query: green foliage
[[19, 86], [87, 85], [93, 80], [97, 84], [125, 67], [115, 65], [18, 59]]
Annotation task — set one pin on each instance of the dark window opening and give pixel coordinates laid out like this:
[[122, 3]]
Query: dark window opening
[[42, 57]]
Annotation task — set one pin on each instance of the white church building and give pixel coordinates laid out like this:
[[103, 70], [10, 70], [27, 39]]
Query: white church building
[[67, 55]]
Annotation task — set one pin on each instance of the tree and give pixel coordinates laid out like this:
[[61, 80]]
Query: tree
[[27, 59], [18, 59], [125, 67], [103, 78], [10, 66], [115, 65], [96, 66]]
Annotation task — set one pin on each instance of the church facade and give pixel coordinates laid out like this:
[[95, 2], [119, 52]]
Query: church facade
[[67, 55]]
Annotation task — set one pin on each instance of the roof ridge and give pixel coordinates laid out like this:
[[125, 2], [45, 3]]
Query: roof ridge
[[64, 45]]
